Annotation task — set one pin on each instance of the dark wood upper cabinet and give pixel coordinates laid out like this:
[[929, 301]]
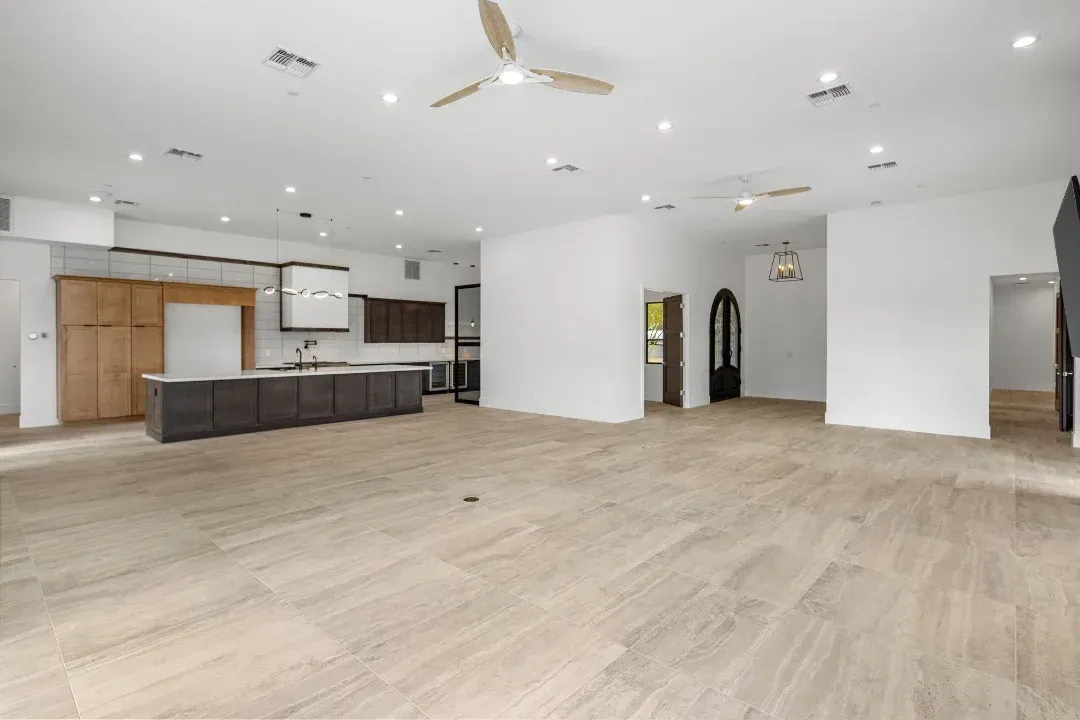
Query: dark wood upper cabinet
[[375, 317], [393, 322], [404, 321], [410, 317]]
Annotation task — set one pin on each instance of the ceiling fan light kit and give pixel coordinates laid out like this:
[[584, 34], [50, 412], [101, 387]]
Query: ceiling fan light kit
[[746, 198], [512, 71], [785, 266]]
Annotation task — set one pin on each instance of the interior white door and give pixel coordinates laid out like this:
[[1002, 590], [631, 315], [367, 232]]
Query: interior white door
[[10, 341]]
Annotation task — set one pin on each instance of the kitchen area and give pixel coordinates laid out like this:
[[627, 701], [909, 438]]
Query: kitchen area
[[280, 345]]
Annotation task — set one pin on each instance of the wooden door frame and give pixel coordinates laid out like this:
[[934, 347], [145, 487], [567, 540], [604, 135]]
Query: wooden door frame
[[686, 302]]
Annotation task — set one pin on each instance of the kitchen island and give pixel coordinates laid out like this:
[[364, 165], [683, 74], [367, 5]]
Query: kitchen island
[[188, 408]]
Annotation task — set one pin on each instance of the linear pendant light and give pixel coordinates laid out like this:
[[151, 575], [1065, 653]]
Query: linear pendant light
[[785, 266], [303, 292]]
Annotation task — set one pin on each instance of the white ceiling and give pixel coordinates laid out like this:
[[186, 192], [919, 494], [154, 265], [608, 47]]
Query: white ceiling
[[86, 83]]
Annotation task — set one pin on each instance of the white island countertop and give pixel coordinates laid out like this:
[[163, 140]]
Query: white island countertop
[[256, 374]]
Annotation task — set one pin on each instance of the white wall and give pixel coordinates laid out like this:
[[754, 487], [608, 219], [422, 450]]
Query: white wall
[[10, 347], [784, 336], [56, 222], [909, 299], [1022, 338], [563, 307], [202, 340], [28, 262]]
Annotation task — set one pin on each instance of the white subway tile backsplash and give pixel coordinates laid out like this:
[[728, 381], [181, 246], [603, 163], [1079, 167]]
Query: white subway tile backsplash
[[130, 276], [81, 266], [118, 256], [126, 267], [168, 260], [56, 251], [237, 279], [168, 273], [86, 253], [204, 265], [204, 276]]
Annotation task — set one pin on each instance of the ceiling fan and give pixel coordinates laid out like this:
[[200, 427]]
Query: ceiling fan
[[746, 198], [513, 71]]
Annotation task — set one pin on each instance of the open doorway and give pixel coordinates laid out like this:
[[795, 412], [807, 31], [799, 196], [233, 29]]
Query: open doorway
[[1030, 397], [10, 342], [466, 375], [665, 368]]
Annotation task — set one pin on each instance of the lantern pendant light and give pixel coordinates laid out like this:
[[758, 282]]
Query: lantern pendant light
[[785, 266]]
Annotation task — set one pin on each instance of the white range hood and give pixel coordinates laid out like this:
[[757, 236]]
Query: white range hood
[[306, 311]]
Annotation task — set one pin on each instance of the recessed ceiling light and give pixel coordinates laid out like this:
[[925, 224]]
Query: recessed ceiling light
[[95, 198], [1025, 41], [877, 149], [398, 247], [389, 98], [135, 156], [224, 218], [552, 161], [664, 125], [828, 77], [322, 234], [290, 189], [1023, 280], [646, 198], [479, 229], [1051, 282], [399, 212]]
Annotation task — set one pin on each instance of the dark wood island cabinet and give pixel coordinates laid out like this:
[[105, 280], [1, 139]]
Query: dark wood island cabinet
[[192, 408]]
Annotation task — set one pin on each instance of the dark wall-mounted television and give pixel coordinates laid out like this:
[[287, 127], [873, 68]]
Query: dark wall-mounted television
[[1067, 242]]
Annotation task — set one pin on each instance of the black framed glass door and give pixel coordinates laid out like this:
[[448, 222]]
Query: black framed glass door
[[466, 375]]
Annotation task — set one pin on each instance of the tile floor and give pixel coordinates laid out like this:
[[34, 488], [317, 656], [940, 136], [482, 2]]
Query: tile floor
[[740, 561]]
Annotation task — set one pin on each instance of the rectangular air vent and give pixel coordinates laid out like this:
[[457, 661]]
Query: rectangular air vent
[[829, 96], [664, 207], [290, 63], [882, 166], [5, 216], [184, 154], [567, 168], [412, 269], [127, 203]]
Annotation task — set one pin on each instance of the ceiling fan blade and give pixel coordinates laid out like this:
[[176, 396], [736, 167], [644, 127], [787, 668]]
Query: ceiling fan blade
[[785, 191], [497, 29], [575, 83], [713, 197], [462, 93], [739, 207]]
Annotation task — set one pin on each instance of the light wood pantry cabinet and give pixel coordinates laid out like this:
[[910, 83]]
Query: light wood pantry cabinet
[[111, 331], [146, 306], [147, 355], [78, 372], [114, 304], [77, 302]]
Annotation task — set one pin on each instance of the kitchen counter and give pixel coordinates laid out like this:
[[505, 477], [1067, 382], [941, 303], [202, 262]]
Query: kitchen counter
[[260, 373], [188, 408]]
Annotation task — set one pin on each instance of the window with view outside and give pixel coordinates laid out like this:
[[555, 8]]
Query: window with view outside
[[654, 333]]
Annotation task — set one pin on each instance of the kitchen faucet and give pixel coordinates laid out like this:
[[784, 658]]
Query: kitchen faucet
[[300, 354]]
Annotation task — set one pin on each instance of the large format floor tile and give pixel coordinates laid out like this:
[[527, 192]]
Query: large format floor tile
[[738, 561]]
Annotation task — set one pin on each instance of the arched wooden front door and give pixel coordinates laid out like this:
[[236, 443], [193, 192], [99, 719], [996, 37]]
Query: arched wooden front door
[[725, 347]]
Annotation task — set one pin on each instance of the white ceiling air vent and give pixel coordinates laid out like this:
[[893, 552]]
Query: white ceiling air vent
[[831, 95], [665, 207], [290, 63], [412, 269], [184, 154], [5, 216], [568, 168], [882, 166], [127, 203]]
